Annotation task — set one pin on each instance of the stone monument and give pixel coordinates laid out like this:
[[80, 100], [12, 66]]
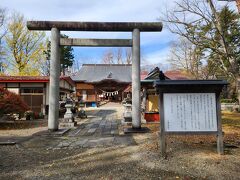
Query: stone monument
[[68, 120]]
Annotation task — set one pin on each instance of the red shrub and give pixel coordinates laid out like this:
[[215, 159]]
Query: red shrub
[[11, 103]]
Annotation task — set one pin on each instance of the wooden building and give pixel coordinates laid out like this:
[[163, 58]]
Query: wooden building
[[150, 103], [96, 83], [34, 90]]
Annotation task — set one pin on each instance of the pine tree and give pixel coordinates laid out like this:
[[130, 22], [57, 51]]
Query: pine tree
[[66, 55]]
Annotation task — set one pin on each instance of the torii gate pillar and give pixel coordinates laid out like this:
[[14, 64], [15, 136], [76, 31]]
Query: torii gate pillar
[[53, 113], [56, 26], [136, 86]]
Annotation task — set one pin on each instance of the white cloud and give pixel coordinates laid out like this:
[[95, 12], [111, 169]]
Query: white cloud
[[104, 10], [82, 10], [156, 57], [94, 10]]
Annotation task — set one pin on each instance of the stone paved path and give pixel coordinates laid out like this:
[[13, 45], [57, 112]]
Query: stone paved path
[[100, 130]]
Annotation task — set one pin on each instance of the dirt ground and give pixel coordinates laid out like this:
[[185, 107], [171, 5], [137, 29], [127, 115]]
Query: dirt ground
[[188, 157]]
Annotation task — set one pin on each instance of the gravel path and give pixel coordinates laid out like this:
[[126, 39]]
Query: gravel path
[[134, 157]]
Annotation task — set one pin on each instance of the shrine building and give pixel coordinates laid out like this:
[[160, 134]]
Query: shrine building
[[99, 83], [34, 90]]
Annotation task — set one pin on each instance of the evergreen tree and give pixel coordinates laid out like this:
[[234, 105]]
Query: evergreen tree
[[66, 56], [215, 34]]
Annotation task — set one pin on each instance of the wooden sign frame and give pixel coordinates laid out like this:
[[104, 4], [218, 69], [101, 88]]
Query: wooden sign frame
[[190, 86]]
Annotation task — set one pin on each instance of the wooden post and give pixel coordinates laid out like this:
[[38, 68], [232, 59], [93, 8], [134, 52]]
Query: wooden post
[[162, 127], [144, 101], [219, 126], [96, 98]]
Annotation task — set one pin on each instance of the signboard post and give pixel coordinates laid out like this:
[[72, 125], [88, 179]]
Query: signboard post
[[190, 107]]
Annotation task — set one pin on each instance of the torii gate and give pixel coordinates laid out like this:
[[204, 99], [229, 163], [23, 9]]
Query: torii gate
[[56, 42]]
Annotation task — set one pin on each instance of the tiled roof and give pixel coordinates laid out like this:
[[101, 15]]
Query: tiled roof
[[176, 75], [32, 79], [172, 75], [24, 78], [154, 74], [68, 79], [100, 72], [143, 74]]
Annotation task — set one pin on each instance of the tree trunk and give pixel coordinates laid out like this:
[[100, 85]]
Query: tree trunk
[[238, 5], [238, 89]]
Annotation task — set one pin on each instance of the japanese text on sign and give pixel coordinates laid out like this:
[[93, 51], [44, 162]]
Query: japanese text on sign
[[190, 112]]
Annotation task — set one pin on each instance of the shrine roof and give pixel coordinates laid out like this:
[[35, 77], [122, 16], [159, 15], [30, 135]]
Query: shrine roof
[[31, 79], [24, 78], [98, 72], [190, 82]]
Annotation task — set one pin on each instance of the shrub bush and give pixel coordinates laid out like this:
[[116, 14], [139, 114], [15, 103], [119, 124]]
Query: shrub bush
[[11, 103], [30, 115], [228, 101]]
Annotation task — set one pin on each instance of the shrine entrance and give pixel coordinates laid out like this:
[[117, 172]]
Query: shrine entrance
[[55, 27], [101, 83], [110, 90]]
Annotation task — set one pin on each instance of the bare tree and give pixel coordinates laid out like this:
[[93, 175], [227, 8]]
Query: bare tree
[[185, 56], [199, 22], [119, 56], [128, 52], [45, 67], [108, 57]]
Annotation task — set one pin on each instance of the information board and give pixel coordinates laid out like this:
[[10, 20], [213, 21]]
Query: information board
[[190, 112]]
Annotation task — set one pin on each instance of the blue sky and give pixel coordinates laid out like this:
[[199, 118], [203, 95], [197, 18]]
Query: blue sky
[[154, 46]]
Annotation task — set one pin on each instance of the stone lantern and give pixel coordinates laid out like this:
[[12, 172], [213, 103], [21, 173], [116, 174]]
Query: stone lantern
[[69, 115], [68, 120], [127, 113]]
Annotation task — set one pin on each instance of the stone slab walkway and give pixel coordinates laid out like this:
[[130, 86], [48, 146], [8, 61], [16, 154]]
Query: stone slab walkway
[[99, 130]]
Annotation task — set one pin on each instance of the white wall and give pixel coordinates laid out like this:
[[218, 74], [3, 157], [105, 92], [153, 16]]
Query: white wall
[[14, 90], [31, 84]]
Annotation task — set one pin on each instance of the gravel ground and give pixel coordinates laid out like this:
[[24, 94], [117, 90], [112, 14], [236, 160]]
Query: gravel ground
[[21, 132], [32, 160], [188, 157]]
